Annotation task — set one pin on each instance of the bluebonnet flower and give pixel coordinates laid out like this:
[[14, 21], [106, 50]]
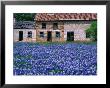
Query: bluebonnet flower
[[54, 59]]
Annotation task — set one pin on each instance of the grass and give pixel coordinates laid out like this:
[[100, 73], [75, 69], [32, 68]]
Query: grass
[[55, 71], [86, 42], [79, 42], [27, 56]]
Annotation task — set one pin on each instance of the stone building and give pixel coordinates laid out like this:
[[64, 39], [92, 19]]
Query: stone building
[[24, 31], [54, 27], [63, 26]]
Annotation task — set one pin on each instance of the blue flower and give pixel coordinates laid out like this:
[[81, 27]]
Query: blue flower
[[54, 59]]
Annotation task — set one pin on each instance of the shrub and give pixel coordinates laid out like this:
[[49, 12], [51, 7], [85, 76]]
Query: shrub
[[92, 31]]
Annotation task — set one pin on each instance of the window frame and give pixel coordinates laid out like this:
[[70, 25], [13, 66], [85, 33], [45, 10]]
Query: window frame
[[43, 26], [29, 34], [41, 35], [57, 34], [55, 27]]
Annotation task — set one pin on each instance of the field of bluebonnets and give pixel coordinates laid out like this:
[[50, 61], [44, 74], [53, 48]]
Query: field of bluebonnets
[[55, 58]]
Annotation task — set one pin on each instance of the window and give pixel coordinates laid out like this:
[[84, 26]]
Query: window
[[30, 34], [55, 26], [88, 35], [43, 25], [41, 34], [58, 34]]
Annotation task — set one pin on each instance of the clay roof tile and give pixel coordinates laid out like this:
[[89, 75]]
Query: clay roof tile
[[65, 16]]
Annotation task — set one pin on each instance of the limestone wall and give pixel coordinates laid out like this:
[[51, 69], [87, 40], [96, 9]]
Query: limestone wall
[[49, 27], [78, 27], [25, 35]]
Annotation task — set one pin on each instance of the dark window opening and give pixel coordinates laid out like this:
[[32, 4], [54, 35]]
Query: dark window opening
[[20, 35], [43, 25], [30, 34], [70, 36], [49, 36], [41, 34], [88, 35], [55, 26], [58, 34]]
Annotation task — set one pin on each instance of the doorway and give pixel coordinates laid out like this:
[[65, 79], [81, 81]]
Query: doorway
[[20, 35], [49, 36], [70, 36]]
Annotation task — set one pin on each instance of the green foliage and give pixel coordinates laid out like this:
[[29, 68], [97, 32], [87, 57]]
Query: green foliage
[[92, 31], [24, 16]]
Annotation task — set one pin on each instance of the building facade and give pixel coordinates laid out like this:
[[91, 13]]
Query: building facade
[[24, 31], [54, 27], [63, 26]]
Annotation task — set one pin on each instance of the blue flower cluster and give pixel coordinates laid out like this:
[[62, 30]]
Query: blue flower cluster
[[55, 59]]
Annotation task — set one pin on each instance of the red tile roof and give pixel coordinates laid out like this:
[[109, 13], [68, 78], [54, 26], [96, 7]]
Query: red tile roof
[[65, 16]]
